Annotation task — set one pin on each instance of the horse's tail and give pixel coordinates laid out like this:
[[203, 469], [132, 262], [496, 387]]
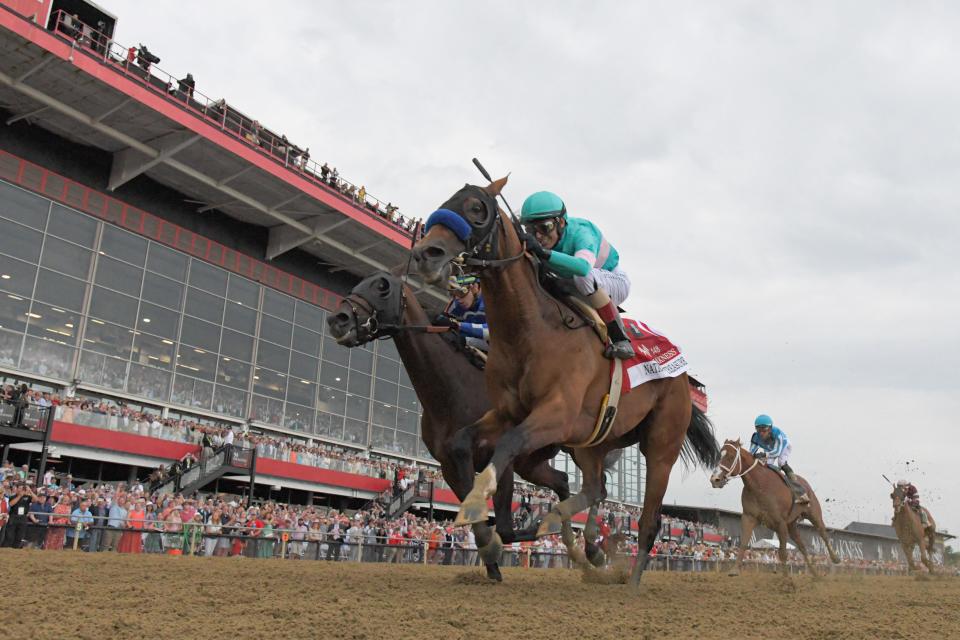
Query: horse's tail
[[700, 446]]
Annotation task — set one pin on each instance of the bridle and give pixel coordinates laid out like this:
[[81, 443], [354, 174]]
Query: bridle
[[899, 501], [484, 238], [374, 327], [737, 463]]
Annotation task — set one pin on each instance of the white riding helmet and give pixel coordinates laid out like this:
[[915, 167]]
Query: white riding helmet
[[902, 483]]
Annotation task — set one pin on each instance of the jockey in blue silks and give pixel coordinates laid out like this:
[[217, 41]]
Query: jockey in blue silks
[[468, 313], [771, 445]]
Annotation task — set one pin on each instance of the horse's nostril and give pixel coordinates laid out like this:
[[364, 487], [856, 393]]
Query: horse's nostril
[[338, 321]]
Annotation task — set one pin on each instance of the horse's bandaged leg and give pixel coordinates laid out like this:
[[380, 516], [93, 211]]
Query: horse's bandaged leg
[[474, 507]]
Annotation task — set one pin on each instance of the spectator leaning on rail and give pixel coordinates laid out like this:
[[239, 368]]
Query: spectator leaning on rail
[[80, 520], [770, 444], [575, 248]]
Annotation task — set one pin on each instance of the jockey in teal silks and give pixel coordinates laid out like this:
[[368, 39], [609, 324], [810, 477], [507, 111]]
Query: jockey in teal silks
[[770, 445], [575, 248]]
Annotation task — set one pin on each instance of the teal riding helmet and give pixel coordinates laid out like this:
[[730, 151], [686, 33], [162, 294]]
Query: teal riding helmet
[[763, 420], [541, 205]]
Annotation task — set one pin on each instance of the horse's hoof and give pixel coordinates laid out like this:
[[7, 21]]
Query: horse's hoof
[[493, 573], [551, 525], [596, 556], [577, 557], [471, 512], [733, 574]]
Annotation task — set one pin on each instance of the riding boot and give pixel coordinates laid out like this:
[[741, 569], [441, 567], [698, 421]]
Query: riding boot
[[620, 346], [798, 491], [924, 520]]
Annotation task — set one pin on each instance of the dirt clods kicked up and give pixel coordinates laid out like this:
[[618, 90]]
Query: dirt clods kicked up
[[77, 595]]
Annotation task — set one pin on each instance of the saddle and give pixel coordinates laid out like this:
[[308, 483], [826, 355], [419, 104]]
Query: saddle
[[565, 293], [474, 356]]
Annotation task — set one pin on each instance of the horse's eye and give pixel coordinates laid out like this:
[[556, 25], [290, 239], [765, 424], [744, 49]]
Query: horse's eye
[[476, 208]]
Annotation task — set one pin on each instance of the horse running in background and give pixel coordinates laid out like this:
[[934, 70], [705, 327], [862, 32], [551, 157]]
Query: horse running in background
[[910, 530], [451, 391], [767, 500], [547, 383]]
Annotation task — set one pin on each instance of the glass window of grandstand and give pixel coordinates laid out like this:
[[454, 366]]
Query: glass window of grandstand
[[83, 299]]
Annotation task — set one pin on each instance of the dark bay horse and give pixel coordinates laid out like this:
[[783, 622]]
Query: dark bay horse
[[767, 500], [452, 392], [546, 382], [910, 530]]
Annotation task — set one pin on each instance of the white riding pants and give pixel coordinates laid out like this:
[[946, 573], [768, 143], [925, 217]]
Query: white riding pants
[[616, 283], [783, 459]]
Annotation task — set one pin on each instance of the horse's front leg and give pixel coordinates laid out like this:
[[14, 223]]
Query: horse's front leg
[[488, 543], [908, 551], [925, 555], [539, 430]]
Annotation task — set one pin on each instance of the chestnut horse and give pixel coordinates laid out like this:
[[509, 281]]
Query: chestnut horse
[[910, 530], [452, 392], [767, 500], [546, 382]]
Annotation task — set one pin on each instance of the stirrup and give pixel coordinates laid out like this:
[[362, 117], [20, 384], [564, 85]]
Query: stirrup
[[622, 350]]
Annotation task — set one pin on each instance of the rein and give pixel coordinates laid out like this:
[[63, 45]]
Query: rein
[[737, 462]]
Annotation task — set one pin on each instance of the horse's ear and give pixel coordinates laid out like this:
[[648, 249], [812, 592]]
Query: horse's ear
[[738, 442], [495, 187]]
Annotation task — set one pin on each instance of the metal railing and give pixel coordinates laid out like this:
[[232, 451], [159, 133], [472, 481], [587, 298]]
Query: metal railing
[[137, 63], [229, 455], [198, 539], [32, 417]]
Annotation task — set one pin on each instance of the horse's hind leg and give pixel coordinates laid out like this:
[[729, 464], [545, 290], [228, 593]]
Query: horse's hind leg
[[782, 534], [816, 517], [658, 475], [747, 524], [590, 462], [797, 540], [541, 474], [590, 531]]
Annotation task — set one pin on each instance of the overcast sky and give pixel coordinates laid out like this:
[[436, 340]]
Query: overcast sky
[[780, 179]]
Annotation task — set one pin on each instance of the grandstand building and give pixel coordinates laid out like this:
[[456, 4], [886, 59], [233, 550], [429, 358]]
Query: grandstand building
[[164, 250]]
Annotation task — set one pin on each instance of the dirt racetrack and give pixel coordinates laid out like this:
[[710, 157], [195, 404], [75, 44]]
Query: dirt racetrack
[[75, 595]]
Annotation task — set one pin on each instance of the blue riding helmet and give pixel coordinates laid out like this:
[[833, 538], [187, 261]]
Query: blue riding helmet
[[763, 420]]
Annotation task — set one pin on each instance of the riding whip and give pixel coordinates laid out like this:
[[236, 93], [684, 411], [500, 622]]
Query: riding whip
[[486, 174]]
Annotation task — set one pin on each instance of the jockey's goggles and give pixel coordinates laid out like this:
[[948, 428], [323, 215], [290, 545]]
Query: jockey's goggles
[[541, 227]]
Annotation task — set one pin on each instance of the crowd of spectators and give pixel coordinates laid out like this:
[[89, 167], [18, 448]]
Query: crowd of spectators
[[107, 414], [139, 62], [57, 514]]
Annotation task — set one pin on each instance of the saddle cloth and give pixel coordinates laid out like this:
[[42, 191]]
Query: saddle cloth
[[656, 358]]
